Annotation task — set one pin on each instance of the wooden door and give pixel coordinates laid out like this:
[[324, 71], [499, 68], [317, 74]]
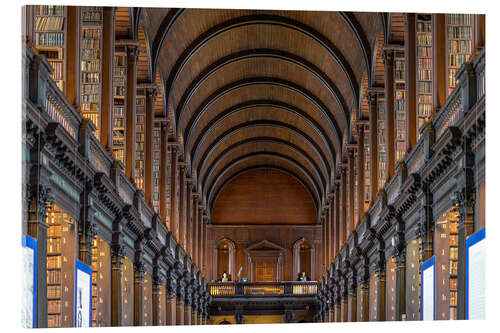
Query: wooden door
[[265, 270]]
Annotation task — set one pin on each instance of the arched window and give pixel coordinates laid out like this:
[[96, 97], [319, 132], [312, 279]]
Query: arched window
[[224, 260], [303, 259]]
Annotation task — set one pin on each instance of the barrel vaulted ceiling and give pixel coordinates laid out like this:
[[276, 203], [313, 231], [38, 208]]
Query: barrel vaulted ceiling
[[249, 89]]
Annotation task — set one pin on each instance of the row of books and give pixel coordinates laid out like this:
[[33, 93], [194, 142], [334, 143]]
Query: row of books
[[424, 39], [119, 71], [424, 51], [452, 80], [399, 75], [54, 245], [424, 63], [118, 122], [90, 89], [459, 32], [91, 33], [54, 262], [119, 135], [90, 65], [58, 72], [54, 306], [91, 44], [425, 99], [424, 110], [90, 98], [424, 74], [459, 46], [399, 104], [118, 153], [139, 148], [119, 91], [53, 292], [53, 320], [456, 60], [49, 10], [90, 77], [424, 87], [89, 110], [92, 15], [119, 111], [424, 26], [53, 276], [49, 39], [91, 54], [120, 61], [45, 23], [460, 19]]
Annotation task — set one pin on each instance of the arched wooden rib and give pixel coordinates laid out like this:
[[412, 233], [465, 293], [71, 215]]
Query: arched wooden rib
[[203, 176], [271, 123], [265, 53], [205, 132], [165, 26], [275, 20]]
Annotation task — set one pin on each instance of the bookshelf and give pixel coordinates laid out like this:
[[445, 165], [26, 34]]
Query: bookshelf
[[140, 124], [127, 285], [95, 278], [399, 104], [424, 69], [453, 258], [50, 36], [119, 105], [355, 187], [382, 149], [459, 44], [60, 267], [367, 170], [90, 64], [156, 166]]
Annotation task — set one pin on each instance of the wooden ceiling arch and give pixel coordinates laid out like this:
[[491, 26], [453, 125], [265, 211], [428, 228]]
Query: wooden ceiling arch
[[260, 158], [263, 144], [264, 53], [249, 106], [227, 87]]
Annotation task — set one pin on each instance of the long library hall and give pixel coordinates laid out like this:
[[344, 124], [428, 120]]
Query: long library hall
[[226, 166]]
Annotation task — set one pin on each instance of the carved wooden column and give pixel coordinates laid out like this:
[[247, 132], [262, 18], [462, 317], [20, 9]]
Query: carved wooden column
[[130, 119], [380, 270], [108, 53], [194, 249], [171, 298], [465, 199], [388, 57], [157, 282], [163, 171], [426, 224], [148, 131], [352, 296], [138, 284], [336, 220], [323, 243], [179, 311], [72, 87], [39, 199], [117, 255], [87, 228], [200, 237], [410, 82], [479, 32], [181, 238], [372, 102], [350, 165], [399, 252], [364, 285], [189, 204], [331, 234], [343, 216], [173, 189], [439, 72], [361, 173]]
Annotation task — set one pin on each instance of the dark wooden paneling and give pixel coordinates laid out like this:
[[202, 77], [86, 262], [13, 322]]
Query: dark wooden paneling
[[264, 196]]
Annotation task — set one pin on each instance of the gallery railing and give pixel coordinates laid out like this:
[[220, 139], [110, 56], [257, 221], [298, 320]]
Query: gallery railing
[[286, 288]]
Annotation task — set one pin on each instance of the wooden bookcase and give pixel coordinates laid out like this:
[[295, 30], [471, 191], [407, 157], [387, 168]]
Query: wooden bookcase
[[399, 105], [140, 124], [49, 38], [453, 257], [459, 34], [90, 64], [119, 105], [61, 255], [424, 69], [355, 188], [382, 149], [156, 166], [367, 170]]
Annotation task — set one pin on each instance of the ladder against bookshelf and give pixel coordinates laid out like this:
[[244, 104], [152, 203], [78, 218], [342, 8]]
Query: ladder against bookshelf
[[49, 38], [90, 64], [424, 69], [140, 139], [119, 105], [399, 104], [459, 44]]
